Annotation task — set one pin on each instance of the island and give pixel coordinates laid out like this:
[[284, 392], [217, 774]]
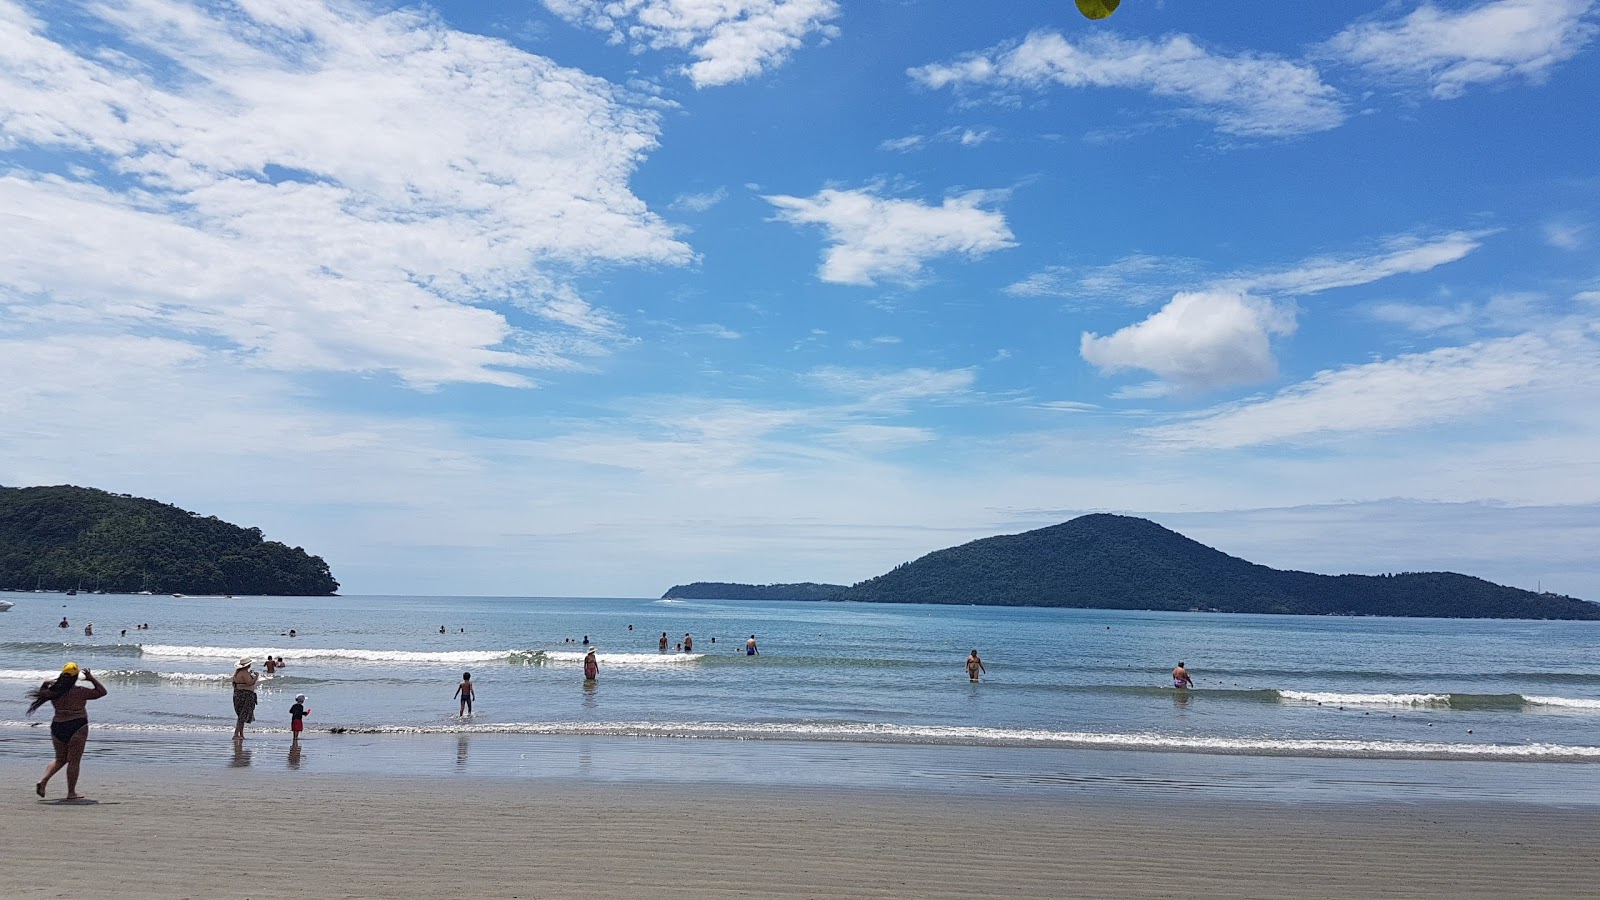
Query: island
[[725, 590], [1104, 561], [68, 538]]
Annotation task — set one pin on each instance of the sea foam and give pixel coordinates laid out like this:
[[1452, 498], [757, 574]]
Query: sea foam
[[1328, 698]]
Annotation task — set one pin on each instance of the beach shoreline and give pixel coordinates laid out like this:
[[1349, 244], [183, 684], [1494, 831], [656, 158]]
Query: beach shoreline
[[164, 832]]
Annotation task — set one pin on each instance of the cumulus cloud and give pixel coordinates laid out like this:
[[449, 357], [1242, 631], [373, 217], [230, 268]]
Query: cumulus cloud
[[730, 40], [1253, 95], [877, 238], [1199, 341], [1409, 391], [317, 188], [1451, 50]]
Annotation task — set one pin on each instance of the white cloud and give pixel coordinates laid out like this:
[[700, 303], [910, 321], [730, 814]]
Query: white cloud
[[879, 238], [1401, 256], [318, 189], [878, 437], [1409, 391], [1244, 94], [1422, 317], [1198, 341], [1489, 42], [1565, 234], [1143, 278], [892, 389], [700, 202], [966, 137], [731, 40], [1136, 279]]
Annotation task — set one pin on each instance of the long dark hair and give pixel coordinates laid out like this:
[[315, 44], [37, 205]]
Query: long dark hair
[[51, 690]]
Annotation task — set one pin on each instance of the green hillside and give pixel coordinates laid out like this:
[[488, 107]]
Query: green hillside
[[723, 590], [1121, 562], [64, 537]]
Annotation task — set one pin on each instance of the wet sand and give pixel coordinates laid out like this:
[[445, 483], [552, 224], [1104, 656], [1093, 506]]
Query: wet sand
[[163, 831]]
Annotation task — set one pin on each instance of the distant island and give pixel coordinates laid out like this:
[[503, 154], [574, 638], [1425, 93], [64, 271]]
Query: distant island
[[1121, 562], [723, 590], [82, 539]]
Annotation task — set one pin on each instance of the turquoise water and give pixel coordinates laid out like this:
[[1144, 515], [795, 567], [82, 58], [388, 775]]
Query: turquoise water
[[1267, 686]]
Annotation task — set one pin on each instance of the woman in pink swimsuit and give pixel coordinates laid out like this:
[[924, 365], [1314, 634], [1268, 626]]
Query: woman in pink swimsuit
[[69, 728]]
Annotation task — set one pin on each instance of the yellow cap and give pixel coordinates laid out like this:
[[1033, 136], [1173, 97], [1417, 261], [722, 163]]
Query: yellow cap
[[70, 668]]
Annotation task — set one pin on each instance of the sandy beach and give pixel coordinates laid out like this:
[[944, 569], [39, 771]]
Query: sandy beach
[[168, 833]]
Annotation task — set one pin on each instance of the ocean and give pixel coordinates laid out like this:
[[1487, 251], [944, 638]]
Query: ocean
[[840, 693]]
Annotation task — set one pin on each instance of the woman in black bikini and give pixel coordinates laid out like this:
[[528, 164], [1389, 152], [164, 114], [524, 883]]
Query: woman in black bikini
[[69, 729]]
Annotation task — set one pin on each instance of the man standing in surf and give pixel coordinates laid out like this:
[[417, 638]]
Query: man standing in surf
[[1180, 678]]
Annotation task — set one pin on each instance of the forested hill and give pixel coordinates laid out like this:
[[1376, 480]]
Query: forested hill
[[722, 590], [64, 537], [1120, 562]]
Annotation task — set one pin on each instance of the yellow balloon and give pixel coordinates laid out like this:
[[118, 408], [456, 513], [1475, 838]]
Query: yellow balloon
[[1097, 9]]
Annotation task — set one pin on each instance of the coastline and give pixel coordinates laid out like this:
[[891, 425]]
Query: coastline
[[210, 831]]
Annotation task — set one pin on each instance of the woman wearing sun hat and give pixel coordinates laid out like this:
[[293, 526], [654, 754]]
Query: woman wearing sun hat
[[244, 695], [69, 728], [591, 665]]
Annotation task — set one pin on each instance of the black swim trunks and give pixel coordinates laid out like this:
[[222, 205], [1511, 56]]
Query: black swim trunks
[[64, 731]]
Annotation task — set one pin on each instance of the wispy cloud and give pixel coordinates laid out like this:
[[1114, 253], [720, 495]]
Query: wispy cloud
[[1246, 94], [700, 202], [877, 238], [1136, 279], [966, 137], [731, 40], [1144, 278], [1401, 256], [1451, 50], [891, 389], [241, 182], [1199, 341], [1409, 391]]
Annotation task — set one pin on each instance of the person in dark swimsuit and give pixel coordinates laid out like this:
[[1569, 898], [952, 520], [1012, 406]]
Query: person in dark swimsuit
[[69, 728]]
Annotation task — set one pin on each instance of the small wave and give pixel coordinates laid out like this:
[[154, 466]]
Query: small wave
[[1565, 702], [624, 659], [28, 674], [1335, 699], [70, 648], [450, 657], [971, 735], [942, 735]]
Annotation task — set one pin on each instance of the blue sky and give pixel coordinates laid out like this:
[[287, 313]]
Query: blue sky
[[591, 298]]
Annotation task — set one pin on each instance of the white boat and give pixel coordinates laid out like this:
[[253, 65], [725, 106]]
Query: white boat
[[5, 605]]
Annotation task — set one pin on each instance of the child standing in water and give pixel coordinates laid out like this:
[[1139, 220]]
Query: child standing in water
[[297, 717], [464, 691]]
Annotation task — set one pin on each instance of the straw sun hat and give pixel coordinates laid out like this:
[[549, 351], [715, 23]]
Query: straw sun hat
[[244, 661]]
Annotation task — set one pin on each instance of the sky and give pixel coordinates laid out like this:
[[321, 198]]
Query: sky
[[594, 297]]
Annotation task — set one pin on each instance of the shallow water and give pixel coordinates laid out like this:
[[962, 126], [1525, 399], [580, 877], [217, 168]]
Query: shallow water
[[830, 675]]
